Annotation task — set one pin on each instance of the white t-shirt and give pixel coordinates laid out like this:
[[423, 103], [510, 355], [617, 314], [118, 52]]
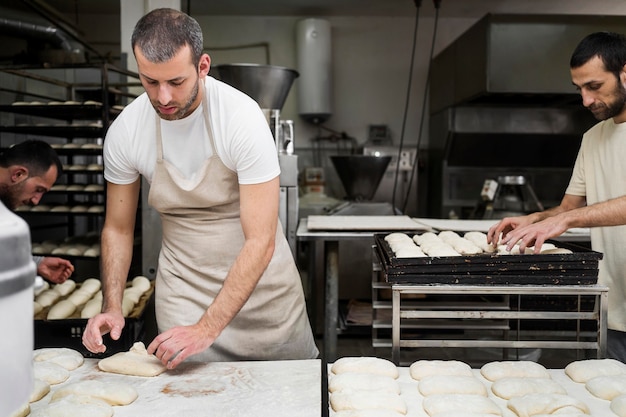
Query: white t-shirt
[[243, 139], [600, 174]]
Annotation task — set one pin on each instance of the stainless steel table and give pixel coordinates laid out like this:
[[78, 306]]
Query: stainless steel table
[[598, 313]]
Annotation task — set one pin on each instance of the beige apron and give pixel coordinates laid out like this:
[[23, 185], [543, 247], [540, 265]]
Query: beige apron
[[202, 236]]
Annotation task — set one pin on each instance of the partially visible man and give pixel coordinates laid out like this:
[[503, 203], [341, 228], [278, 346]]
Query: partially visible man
[[596, 195], [27, 171]]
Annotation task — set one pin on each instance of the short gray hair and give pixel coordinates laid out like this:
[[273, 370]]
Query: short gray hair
[[161, 33]]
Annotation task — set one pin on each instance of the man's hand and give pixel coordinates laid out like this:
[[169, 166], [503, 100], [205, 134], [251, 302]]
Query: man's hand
[[178, 343], [498, 231], [55, 270], [100, 325]]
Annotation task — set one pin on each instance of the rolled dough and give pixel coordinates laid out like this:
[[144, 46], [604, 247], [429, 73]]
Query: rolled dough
[[61, 310], [424, 368], [584, 370], [50, 372], [468, 403], [618, 405], [510, 369], [607, 387], [365, 364], [135, 362], [451, 384], [531, 404], [357, 381], [69, 359], [508, 388], [367, 400], [116, 393]]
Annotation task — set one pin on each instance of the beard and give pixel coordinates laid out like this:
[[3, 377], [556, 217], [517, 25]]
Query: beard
[[9, 196], [183, 111], [606, 111]]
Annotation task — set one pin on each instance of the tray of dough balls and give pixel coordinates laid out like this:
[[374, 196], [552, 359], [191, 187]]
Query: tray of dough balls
[[449, 257], [370, 386], [61, 312]]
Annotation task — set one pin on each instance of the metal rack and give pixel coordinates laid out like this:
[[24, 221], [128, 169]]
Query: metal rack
[[598, 314]]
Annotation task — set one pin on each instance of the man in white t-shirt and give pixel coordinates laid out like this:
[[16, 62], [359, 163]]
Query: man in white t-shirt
[[595, 196], [227, 287]]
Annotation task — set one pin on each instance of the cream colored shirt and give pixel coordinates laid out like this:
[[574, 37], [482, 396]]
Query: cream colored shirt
[[600, 174]]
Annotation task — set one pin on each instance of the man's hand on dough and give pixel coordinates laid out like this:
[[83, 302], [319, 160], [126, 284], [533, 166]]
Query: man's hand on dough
[[100, 325], [178, 343]]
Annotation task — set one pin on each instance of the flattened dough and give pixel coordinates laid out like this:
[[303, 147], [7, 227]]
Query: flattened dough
[[584, 370], [508, 388], [468, 403], [510, 369], [618, 405], [50, 372], [135, 362], [424, 368], [607, 387], [357, 381], [75, 406], [69, 359], [365, 364], [531, 404], [116, 393], [367, 400], [40, 389], [451, 384]]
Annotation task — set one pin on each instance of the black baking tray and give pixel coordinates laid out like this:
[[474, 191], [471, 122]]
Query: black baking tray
[[577, 268]]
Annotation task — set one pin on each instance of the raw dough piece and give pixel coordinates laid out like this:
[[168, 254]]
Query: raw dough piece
[[69, 359], [80, 296], [92, 285], [457, 413], [133, 294], [451, 384], [116, 393], [61, 310], [76, 406], [141, 282], [423, 368], [367, 413], [135, 362], [358, 381], [531, 404], [365, 364], [92, 307], [441, 403], [66, 287], [509, 369], [23, 411], [367, 400], [50, 372], [40, 389], [37, 308], [508, 388], [584, 370], [618, 405], [127, 306], [607, 387]]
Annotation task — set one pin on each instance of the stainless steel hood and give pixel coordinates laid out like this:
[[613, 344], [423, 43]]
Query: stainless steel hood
[[513, 59]]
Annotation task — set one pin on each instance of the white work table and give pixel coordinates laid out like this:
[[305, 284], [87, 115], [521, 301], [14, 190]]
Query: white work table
[[263, 388]]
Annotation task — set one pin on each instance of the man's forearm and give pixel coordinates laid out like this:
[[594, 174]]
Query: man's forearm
[[117, 251], [607, 213]]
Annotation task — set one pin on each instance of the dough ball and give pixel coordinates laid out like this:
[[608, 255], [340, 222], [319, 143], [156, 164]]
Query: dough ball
[[508, 388], [365, 364], [468, 403], [61, 310], [40, 389], [423, 368], [509, 369], [451, 384], [136, 362], [65, 288], [117, 393], [584, 370], [357, 381], [69, 359], [79, 297], [607, 387], [50, 372], [92, 285], [141, 282], [367, 400]]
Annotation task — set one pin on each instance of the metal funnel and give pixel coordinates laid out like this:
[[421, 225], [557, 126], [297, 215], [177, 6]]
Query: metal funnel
[[360, 174], [268, 85]]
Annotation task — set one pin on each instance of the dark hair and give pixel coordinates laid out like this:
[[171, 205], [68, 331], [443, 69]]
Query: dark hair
[[36, 155], [161, 33], [610, 47]]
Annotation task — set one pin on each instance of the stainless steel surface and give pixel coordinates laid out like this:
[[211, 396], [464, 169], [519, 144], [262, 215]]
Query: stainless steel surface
[[268, 85], [513, 58], [360, 174], [599, 314]]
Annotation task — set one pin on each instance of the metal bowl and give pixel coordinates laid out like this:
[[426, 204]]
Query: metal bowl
[[360, 174]]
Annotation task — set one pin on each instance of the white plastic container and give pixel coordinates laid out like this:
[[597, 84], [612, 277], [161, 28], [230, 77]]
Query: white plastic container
[[17, 276]]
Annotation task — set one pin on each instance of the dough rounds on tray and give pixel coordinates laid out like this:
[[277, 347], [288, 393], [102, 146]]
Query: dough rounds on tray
[[365, 364], [493, 371], [607, 387], [136, 362], [423, 368], [584, 370]]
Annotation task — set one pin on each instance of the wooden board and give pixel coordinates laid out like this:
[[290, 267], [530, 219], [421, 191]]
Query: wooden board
[[365, 223]]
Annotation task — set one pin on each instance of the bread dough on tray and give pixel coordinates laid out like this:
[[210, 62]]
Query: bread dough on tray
[[365, 364]]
